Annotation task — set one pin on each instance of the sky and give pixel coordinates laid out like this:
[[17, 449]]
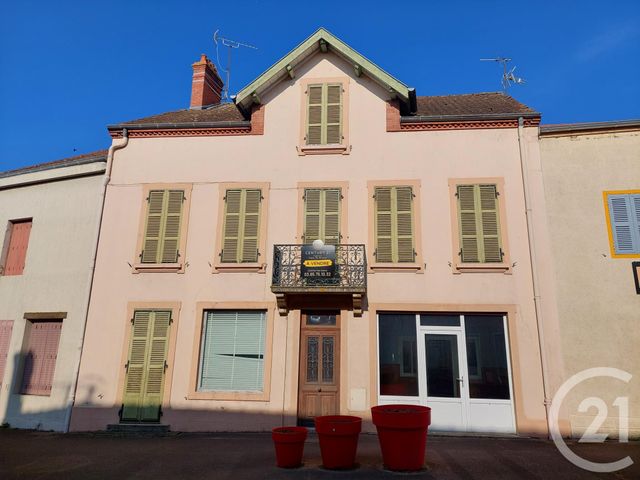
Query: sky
[[70, 68]]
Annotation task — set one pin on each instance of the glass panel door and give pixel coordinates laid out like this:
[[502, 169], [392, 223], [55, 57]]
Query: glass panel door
[[447, 395], [443, 372]]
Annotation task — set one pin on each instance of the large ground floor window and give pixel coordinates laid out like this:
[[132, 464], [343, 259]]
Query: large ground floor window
[[232, 351], [456, 364]]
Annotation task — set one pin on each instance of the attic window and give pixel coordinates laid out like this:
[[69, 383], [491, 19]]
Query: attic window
[[324, 125], [324, 114]]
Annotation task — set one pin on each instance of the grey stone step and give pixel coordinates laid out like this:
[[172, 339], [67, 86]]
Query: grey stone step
[[138, 428]]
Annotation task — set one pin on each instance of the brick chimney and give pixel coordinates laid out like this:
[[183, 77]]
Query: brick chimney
[[206, 87]]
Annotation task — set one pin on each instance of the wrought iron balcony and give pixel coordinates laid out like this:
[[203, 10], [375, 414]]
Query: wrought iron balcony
[[348, 277]]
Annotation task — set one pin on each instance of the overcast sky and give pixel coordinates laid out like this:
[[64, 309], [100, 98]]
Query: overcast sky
[[69, 68]]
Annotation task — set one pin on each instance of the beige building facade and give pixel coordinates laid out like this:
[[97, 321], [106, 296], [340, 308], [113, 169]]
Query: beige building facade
[[211, 310], [592, 188], [49, 216]]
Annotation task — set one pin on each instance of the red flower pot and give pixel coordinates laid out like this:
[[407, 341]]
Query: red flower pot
[[402, 433], [289, 444], [338, 436]]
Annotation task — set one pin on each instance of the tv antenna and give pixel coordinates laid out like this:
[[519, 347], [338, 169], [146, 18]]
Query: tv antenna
[[230, 44], [508, 77]]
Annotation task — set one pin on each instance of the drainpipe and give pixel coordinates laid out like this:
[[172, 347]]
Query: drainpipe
[[107, 177], [537, 298]]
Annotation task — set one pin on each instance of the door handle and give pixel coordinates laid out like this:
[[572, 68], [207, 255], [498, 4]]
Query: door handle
[[460, 379]]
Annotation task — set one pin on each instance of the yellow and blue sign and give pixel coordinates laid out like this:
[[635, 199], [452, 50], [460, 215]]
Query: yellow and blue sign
[[318, 262]]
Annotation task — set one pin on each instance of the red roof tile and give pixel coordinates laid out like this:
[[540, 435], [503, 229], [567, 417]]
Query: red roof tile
[[471, 104]]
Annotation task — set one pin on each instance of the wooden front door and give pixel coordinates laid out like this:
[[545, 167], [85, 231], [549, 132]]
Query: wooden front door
[[319, 380]]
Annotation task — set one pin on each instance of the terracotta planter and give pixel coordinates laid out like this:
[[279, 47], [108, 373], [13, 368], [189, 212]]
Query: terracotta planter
[[402, 433], [338, 436], [289, 444]]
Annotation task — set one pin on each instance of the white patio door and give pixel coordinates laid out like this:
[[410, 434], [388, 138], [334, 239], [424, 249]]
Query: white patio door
[[457, 364], [444, 377], [466, 373]]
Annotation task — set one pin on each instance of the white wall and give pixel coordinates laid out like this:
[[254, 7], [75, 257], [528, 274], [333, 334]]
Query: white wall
[[55, 279]]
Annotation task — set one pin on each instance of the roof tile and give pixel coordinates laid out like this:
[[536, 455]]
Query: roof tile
[[471, 104], [98, 155], [225, 112]]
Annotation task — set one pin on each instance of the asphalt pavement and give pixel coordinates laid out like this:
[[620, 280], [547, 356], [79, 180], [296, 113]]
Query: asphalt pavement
[[42, 455]]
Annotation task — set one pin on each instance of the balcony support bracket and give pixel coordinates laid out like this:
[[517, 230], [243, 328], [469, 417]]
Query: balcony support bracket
[[357, 304], [281, 300]]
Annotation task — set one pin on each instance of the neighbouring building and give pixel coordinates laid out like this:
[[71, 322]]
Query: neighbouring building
[[592, 187], [49, 214], [213, 310]]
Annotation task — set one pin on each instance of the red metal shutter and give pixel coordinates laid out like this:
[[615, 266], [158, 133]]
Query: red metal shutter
[[40, 358], [6, 327], [14, 264]]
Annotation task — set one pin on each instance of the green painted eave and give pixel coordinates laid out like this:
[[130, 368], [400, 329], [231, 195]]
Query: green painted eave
[[286, 66]]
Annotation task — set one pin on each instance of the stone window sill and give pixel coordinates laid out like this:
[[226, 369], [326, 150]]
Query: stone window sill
[[240, 267], [323, 149], [481, 268], [158, 268], [395, 267]]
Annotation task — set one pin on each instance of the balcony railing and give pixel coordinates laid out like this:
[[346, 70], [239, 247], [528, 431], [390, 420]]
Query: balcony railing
[[350, 271]]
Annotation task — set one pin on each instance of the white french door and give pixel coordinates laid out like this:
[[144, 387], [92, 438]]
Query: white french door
[[443, 378], [456, 364]]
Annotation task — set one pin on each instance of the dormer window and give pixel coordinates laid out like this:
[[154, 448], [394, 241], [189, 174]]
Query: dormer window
[[325, 117]]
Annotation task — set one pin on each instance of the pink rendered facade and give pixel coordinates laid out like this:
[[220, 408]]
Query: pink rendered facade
[[421, 293]]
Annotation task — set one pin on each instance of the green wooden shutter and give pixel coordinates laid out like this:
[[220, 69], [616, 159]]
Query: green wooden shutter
[[324, 114], [383, 225], [134, 380], [322, 215], [331, 216], [171, 231], [241, 226], [467, 224], [395, 241], [144, 381], [479, 224], [162, 228], [314, 114], [231, 233], [153, 227], [490, 222], [250, 226], [312, 214], [154, 379], [334, 114], [403, 229]]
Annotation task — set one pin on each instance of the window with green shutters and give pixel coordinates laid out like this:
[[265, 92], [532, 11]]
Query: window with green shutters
[[241, 230], [479, 224], [162, 227], [394, 225], [322, 215], [146, 365], [232, 351], [324, 114], [624, 222]]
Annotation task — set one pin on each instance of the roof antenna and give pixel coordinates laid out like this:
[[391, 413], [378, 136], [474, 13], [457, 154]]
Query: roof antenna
[[230, 44], [508, 77]]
